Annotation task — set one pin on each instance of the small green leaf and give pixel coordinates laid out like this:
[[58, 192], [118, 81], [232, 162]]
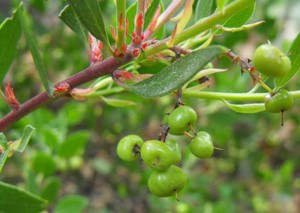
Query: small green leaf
[[177, 74], [203, 9], [118, 102], [14, 199], [34, 49], [221, 4], [3, 142], [51, 188], [27, 132], [294, 54], [71, 19], [240, 18], [150, 12], [3, 158], [74, 144], [89, 12], [43, 163], [71, 203], [10, 31], [246, 108], [130, 15]]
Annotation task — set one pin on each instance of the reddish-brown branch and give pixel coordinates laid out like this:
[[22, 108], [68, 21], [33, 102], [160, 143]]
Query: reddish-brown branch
[[97, 70]]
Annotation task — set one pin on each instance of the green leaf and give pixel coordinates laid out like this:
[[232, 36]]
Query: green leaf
[[10, 31], [294, 54], [73, 144], [4, 151], [71, 203], [34, 49], [118, 102], [89, 12], [27, 132], [14, 199], [221, 4], [130, 15], [246, 108], [150, 12], [51, 188], [240, 18], [177, 74], [43, 163], [71, 19], [203, 9], [3, 142]]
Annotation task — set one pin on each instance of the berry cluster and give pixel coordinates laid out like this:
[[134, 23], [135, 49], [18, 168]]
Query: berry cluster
[[167, 179]]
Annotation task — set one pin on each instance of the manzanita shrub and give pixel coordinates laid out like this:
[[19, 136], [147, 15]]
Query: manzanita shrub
[[183, 65]]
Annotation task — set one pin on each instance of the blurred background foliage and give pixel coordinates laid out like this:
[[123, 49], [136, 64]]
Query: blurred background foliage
[[71, 157]]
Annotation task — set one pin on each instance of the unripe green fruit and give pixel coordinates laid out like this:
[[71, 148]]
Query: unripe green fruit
[[129, 146], [157, 155], [270, 61], [167, 183], [180, 119], [201, 146], [176, 150], [281, 101]]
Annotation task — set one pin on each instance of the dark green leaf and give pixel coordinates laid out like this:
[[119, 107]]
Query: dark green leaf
[[203, 9], [51, 188], [43, 163], [3, 158], [14, 199], [74, 144], [150, 12], [3, 150], [89, 12], [294, 54], [10, 31], [246, 108], [34, 49], [177, 74], [71, 203], [3, 142], [71, 19]]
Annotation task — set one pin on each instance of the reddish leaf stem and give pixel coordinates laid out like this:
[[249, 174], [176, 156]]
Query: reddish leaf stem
[[90, 73]]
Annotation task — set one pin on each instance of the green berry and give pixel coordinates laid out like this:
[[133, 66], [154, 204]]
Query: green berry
[[270, 61], [157, 155], [180, 119], [201, 146], [167, 183], [176, 150], [281, 101], [128, 147]]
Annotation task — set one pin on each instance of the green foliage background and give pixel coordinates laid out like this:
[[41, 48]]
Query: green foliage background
[[71, 157]]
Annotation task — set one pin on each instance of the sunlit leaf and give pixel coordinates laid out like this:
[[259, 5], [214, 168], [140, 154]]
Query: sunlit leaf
[[14, 199], [71, 19], [10, 31], [294, 54], [246, 108], [177, 74]]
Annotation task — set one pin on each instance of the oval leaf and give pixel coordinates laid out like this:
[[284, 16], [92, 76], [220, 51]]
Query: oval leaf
[[177, 74], [246, 108], [89, 12], [14, 199], [71, 203], [10, 31], [71, 19], [294, 54]]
